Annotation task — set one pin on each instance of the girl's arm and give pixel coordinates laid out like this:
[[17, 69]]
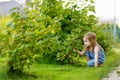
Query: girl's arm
[[96, 50], [79, 52]]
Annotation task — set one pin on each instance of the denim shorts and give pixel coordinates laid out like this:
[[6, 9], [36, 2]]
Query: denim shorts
[[91, 59], [91, 62]]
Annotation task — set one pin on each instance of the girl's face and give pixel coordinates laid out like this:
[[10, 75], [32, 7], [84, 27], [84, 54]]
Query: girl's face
[[86, 42]]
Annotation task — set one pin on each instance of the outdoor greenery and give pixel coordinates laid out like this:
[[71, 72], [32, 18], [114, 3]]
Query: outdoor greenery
[[61, 72], [37, 42], [3, 30], [47, 30]]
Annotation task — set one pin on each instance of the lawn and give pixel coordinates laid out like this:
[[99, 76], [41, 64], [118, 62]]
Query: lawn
[[61, 72]]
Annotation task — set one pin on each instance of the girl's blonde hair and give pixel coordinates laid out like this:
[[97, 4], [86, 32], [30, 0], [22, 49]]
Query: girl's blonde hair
[[91, 36]]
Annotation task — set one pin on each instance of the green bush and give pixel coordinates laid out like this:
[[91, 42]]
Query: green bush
[[104, 36], [3, 30], [47, 30]]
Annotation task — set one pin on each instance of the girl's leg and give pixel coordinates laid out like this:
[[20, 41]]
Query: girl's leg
[[87, 58], [100, 63], [90, 63]]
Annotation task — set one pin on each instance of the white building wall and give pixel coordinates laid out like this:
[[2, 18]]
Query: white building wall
[[6, 6]]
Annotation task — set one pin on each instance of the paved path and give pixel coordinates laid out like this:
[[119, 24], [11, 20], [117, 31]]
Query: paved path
[[114, 75]]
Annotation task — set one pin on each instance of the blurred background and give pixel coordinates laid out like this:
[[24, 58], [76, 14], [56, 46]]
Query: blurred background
[[107, 11]]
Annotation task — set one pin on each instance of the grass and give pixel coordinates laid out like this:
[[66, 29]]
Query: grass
[[62, 72]]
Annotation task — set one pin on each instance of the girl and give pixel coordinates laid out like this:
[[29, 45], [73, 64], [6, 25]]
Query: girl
[[92, 50]]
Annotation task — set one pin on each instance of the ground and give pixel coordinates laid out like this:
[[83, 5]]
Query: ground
[[61, 72]]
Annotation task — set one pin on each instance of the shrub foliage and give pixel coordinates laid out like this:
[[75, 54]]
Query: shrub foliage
[[50, 29]]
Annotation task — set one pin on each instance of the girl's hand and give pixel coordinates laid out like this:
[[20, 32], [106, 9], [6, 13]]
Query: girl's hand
[[75, 50], [96, 65], [79, 52]]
